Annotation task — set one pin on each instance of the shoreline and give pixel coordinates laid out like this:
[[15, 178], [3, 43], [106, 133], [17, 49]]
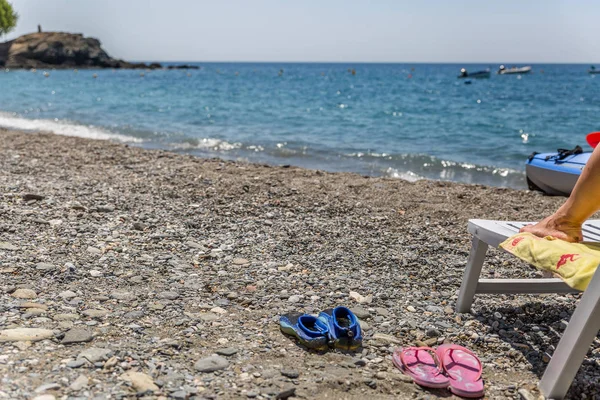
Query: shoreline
[[152, 260], [364, 164]]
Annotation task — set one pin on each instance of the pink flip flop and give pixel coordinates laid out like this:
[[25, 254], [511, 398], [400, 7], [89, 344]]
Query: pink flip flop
[[421, 364], [463, 368]]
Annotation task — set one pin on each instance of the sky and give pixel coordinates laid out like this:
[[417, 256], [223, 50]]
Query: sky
[[482, 31]]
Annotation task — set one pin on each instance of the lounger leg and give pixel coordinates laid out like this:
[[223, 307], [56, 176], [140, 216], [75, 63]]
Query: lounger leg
[[471, 276], [574, 344]]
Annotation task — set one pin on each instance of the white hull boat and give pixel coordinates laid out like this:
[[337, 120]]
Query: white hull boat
[[514, 70]]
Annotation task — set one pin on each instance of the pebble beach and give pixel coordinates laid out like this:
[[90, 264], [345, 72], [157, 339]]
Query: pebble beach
[[133, 273]]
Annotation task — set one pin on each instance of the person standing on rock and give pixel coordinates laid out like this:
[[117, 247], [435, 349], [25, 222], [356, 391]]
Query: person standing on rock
[[584, 201]]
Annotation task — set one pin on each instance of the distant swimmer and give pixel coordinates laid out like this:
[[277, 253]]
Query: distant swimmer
[[46, 74], [95, 76], [281, 72], [353, 71], [142, 74]]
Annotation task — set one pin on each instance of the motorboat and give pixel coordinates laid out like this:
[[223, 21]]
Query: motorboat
[[556, 173], [593, 70], [513, 70], [477, 74]]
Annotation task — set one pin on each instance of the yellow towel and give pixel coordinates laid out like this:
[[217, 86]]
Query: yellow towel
[[575, 263]]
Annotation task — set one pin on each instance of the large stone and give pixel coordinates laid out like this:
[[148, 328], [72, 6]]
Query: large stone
[[94, 313], [169, 295], [34, 305], [24, 294], [8, 246], [211, 364], [65, 317], [121, 295], [194, 245], [95, 354], [526, 394], [140, 381], [47, 386], [359, 298], [106, 208], [361, 312], [25, 334], [136, 314], [290, 373], [94, 250], [67, 294], [32, 196], [34, 312], [382, 337], [79, 383], [228, 351], [77, 335], [44, 397], [42, 266]]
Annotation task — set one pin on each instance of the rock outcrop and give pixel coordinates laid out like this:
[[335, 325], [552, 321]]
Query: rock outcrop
[[60, 50]]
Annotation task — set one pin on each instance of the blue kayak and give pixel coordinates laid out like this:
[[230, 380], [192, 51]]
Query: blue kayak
[[555, 173]]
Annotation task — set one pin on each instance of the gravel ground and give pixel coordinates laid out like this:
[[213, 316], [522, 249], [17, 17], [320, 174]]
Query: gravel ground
[[143, 271]]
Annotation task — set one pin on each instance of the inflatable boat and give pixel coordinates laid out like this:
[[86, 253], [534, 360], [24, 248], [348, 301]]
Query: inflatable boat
[[555, 173]]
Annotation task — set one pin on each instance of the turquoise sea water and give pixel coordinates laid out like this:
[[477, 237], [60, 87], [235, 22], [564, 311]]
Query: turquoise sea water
[[401, 120]]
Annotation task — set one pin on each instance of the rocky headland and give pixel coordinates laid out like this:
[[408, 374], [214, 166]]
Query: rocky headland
[[62, 50]]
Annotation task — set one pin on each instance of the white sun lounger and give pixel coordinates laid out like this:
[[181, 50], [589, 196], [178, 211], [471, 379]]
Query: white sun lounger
[[585, 321]]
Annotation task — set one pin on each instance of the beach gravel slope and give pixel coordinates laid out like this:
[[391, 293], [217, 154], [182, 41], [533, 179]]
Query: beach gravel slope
[[148, 265]]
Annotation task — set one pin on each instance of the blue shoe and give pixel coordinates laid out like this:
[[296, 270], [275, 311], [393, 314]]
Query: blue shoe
[[310, 331], [344, 329]]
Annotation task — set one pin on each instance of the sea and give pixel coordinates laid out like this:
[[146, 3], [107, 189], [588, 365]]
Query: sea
[[406, 121]]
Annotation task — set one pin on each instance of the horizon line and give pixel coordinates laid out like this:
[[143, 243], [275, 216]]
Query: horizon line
[[368, 62]]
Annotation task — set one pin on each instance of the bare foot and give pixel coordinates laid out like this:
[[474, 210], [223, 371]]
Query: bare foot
[[557, 227]]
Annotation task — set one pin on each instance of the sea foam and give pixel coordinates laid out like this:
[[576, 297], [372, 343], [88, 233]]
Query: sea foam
[[62, 127]]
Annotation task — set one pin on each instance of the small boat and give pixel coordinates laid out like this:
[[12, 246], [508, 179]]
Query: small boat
[[593, 70], [555, 173], [477, 74], [513, 70]]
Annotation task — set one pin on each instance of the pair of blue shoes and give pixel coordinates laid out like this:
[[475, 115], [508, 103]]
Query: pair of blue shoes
[[335, 327]]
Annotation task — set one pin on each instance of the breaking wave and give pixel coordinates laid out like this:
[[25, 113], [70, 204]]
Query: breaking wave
[[62, 127]]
